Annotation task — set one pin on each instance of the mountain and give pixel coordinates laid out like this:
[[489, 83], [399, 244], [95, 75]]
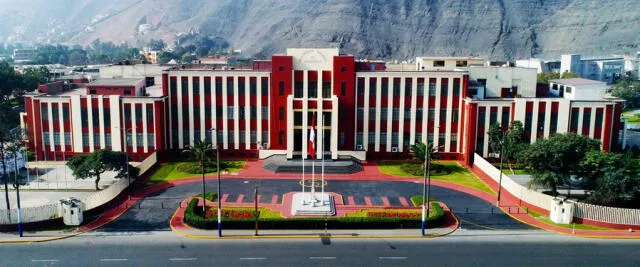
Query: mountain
[[388, 29]]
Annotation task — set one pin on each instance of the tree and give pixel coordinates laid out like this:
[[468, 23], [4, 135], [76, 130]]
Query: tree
[[165, 57], [419, 149], [156, 45], [515, 143], [611, 178], [546, 76], [629, 91], [187, 58], [495, 138], [554, 160], [96, 163], [568, 75], [32, 77]]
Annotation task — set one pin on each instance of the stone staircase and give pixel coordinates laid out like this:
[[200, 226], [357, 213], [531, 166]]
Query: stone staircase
[[280, 164]]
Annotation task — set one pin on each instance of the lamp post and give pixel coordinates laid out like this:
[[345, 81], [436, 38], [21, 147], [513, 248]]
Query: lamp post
[[504, 134], [426, 187], [126, 156], [217, 148], [16, 185]]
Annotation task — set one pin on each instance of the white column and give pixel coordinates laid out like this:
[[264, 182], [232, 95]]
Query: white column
[[564, 111], [259, 110], [592, 122], [365, 119], [334, 127], [179, 104], [290, 129], [203, 119], [414, 97], [90, 122], [116, 126], [401, 115], [247, 113], [580, 119], [225, 126], [101, 121], [305, 112], [378, 111], [319, 129], [50, 122], [134, 130], [534, 121], [61, 124], [425, 109], [547, 118], [389, 113], [76, 121], [449, 107], [214, 111], [191, 115], [436, 114], [145, 144], [236, 115], [485, 149]]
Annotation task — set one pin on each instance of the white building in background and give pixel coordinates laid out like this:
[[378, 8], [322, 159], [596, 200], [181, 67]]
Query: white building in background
[[447, 63], [541, 65], [577, 89], [504, 82]]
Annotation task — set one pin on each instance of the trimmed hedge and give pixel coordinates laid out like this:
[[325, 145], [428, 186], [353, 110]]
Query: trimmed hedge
[[416, 169], [195, 168], [193, 218]]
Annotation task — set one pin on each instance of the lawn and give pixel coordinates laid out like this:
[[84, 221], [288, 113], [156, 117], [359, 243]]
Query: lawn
[[546, 220], [446, 171], [630, 117], [507, 171], [170, 172]]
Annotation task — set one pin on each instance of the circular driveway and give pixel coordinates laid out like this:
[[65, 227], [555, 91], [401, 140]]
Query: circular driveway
[[154, 211]]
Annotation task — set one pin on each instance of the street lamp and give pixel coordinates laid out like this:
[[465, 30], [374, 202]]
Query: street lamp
[[217, 148], [126, 156], [504, 134]]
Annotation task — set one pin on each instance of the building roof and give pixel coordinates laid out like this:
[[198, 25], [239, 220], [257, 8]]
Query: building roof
[[115, 82], [577, 81]]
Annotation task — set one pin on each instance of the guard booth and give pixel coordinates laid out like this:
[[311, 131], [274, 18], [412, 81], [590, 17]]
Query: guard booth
[[71, 211], [561, 211]]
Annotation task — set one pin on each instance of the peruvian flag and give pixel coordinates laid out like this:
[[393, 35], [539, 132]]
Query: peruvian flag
[[312, 139]]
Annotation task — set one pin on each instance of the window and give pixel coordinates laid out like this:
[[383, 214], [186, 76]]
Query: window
[[265, 87], [432, 88], [44, 114], [407, 114], [281, 68], [230, 113], [107, 139], [219, 137], [443, 114], [106, 114], [394, 138], [441, 139], [229, 86], [361, 86], [493, 115], [438, 63], [218, 86], [241, 87], [341, 142], [567, 90], [343, 89], [184, 83], [67, 138], [405, 138], [383, 138], [96, 139], [281, 113], [173, 85], [207, 113], [419, 114], [505, 117], [444, 87], [265, 137], [430, 138], [252, 112], [456, 87], [359, 138], [241, 113], [253, 137], [186, 137], [420, 87], [431, 114], [372, 87], [461, 63], [343, 69], [54, 114], [208, 136], [219, 111], [360, 114], [313, 89], [281, 88], [396, 114], [138, 114], [372, 114], [326, 89], [85, 140], [396, 88], [56, 138], [281, 138], [139, 139], [242, 136], [407, 87], [150, 114], [196, 135], [207, 86], [265, 112], [383, 114], [196, 85], [298, 89], [95, 113], [231, 137], [297, 118], [127, 91], [454, 142], [418, 138], [385, 88], [372, 138], [454, 115], [150, 140]]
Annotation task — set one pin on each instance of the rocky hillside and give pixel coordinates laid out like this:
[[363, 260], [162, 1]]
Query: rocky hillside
[[398, 29]]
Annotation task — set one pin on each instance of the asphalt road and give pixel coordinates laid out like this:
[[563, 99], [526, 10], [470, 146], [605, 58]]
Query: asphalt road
[[464, 248], [153, 212]]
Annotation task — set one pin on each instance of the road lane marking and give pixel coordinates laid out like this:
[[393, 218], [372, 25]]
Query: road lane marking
[[322, 258], [113, 259], [44, 260], [183, 259], [392, 258], [253, 258]]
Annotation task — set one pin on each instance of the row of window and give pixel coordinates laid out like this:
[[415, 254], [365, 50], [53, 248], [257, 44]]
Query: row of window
[[208, 137], [55, 113], [395, 115], [264, 110], [384, 91], [219, 86], [96, 139], [371, 138]]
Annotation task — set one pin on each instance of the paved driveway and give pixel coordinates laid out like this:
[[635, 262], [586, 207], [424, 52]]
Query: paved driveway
[[154, 211]]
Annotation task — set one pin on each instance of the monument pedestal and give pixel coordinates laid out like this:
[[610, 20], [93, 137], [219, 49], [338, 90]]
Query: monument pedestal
[[305, 204]]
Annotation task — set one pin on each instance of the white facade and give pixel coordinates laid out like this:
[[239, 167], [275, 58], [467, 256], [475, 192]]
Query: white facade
[[577, 89], [541, 65], [446, 63], [496, 78]]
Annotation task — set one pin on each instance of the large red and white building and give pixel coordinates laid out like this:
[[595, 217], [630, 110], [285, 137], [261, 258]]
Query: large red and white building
[[362, 109]]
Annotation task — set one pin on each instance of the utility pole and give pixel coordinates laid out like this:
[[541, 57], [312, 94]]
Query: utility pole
[[501, 163], [255, 213]]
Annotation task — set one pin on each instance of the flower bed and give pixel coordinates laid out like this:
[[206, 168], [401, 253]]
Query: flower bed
[[242, 218]]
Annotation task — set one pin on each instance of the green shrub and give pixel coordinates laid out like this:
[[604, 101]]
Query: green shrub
[[416, 169], [195, 168], [193, 217], [417, 200], [211, 196]]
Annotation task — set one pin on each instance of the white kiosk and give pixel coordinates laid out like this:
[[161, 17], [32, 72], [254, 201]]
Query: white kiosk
[[71, 211], [561, 211]]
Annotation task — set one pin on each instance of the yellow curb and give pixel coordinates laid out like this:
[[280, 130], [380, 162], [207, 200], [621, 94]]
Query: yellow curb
[[173, 228], [571, 234]]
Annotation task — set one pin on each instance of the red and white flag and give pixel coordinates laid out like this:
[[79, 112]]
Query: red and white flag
[[312, 139]]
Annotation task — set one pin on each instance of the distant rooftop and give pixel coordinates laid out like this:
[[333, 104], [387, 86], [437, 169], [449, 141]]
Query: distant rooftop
[[115, 82], [451, 58], [576, 81]]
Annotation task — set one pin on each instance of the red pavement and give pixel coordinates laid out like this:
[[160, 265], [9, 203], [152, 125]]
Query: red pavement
[[254, 170]]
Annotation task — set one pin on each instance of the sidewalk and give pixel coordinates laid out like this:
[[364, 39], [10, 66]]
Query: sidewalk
[[508, 203]]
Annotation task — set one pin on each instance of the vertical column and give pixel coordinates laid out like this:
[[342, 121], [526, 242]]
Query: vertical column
[[214, 110], [414, 97], [247, 113], [191, 115], [485, 149], [116, 125], [145, 143], [90, 122], [334, 127], [236, 115], [389, 113], [378, 111], [134, 130], [61, 124], [470, 132], [179, 103], [547, 118], [401, 115], [290, 128], [436, 114], [259, 110], [425, 109], [534, 121], [101, 121], [592, 122], [76, 122], [580, 120], [365, 119], [608, 123], [305, 112], [225, 118], [448, 124], [202, 109]]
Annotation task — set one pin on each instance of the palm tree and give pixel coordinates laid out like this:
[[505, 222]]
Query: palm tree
[[198, 153], [419, 149]]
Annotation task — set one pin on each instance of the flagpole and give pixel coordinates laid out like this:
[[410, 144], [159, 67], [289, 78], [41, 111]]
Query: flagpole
[[302, 154], [322, 183]]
